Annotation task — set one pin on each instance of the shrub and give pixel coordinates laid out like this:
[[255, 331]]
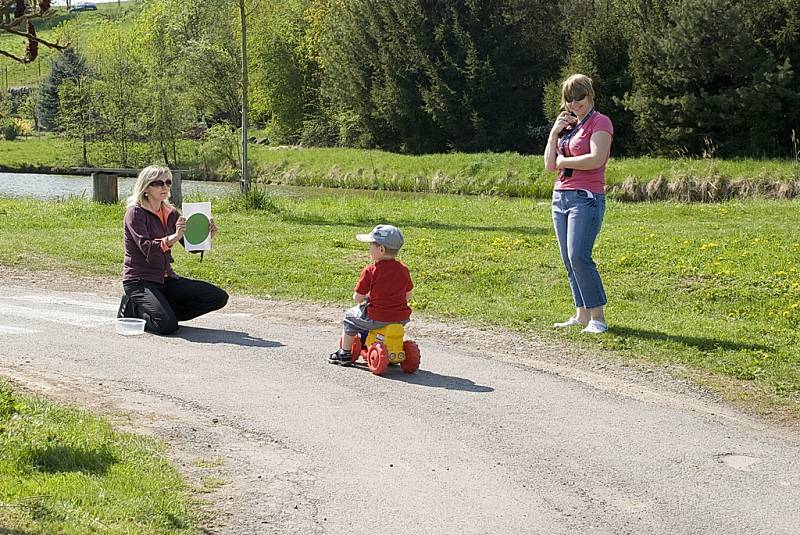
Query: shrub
[[9, 129], [24, 126]]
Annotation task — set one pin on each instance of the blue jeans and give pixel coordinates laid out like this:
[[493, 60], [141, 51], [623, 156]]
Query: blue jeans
[[356, 321], [577, 218]]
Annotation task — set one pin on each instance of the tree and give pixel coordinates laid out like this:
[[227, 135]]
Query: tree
[[78, 117], [168, 115], [283, 74], [119, 89], [443, 75], [718, 77], [68, 66]]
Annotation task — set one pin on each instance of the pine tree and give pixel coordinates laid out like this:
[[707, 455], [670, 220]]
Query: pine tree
[[714, 79], [429, 76], [70, 65]]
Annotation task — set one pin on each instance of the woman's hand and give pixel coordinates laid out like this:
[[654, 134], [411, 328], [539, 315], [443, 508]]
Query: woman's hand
[[180, 230], [563, 120], [212, 227]]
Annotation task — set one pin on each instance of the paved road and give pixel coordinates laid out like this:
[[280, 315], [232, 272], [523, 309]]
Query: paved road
[[469, 445]]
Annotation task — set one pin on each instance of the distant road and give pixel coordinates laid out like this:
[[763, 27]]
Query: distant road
[[471, 444]]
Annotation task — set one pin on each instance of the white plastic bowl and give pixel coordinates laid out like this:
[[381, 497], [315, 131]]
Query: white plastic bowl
[[129, 326]]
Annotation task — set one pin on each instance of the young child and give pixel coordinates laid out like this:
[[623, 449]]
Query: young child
[[382, 291]]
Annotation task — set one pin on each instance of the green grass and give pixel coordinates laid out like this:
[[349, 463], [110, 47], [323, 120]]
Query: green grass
[[508, 174], [714, 288], [50, 152], [48, 28], [64, 471]]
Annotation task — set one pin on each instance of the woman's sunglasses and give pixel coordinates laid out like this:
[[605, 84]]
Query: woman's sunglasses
[[161, 183], [573, 98]]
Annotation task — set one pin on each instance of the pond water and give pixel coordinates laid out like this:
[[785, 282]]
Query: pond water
[[41, 186]]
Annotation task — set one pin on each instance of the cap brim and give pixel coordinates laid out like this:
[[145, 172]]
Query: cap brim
[[365, 237]]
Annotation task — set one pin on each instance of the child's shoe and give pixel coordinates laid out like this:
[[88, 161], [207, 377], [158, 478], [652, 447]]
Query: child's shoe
[[341, 357]]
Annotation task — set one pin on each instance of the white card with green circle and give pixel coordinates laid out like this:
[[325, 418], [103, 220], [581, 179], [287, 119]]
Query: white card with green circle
[[198, 222]]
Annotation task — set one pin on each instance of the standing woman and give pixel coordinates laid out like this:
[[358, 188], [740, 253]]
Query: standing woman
[[578, 149], [153, 291]]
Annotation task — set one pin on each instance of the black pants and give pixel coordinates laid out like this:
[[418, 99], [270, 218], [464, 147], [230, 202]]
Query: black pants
[[162, 306]]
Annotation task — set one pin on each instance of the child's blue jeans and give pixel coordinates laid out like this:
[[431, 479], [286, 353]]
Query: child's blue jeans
[[356, 321]]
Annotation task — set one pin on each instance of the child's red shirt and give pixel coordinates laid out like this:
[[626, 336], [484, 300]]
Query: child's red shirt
[[386, 282]]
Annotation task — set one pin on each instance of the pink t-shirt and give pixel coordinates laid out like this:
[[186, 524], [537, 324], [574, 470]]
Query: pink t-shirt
[[593, 180]]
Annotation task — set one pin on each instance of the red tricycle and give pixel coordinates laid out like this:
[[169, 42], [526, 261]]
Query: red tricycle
[[385, 346]]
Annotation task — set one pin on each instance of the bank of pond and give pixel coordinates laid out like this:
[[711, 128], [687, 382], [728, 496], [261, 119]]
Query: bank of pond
[[496, 174]]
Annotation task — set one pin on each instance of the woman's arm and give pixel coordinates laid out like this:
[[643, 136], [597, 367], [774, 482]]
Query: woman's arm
[[551, 149], [135, 226], [599, 148], [359, 298]]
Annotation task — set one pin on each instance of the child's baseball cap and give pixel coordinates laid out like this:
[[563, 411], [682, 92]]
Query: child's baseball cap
[[386, 235]]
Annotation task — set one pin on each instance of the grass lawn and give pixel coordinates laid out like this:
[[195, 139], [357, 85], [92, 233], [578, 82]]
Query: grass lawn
[[64, 471], [714, 288]]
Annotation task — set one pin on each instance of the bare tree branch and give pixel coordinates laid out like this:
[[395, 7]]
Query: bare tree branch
[[21, 16], [12, 56], [31, 36]]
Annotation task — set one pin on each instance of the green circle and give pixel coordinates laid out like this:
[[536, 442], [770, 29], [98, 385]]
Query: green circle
[[196, 229]]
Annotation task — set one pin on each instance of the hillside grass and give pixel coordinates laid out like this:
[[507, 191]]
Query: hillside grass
[[49, 28], [712, 288], [65, 471]]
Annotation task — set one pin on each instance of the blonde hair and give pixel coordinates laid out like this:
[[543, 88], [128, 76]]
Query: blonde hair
[[577, 84], [147, 176]]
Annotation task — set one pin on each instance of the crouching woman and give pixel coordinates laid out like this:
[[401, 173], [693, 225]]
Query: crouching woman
[[153, 291]]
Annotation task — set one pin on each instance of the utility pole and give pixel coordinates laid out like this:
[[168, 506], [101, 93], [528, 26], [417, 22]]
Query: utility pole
[[245, 172]]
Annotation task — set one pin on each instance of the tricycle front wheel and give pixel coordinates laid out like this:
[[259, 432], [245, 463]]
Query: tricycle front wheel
[[377, 358]]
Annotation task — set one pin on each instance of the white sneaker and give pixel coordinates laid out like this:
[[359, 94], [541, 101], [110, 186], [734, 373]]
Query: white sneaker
[[569, 323], [595, 327]]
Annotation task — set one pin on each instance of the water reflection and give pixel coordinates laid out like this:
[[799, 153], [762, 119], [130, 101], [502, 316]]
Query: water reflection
[[62, 186]]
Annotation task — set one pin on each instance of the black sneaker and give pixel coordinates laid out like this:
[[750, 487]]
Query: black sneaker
[[341, 357]]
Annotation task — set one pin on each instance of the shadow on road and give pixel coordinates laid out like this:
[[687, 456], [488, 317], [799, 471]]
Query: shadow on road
[[704, 344], [426, 378], [221, 336]]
